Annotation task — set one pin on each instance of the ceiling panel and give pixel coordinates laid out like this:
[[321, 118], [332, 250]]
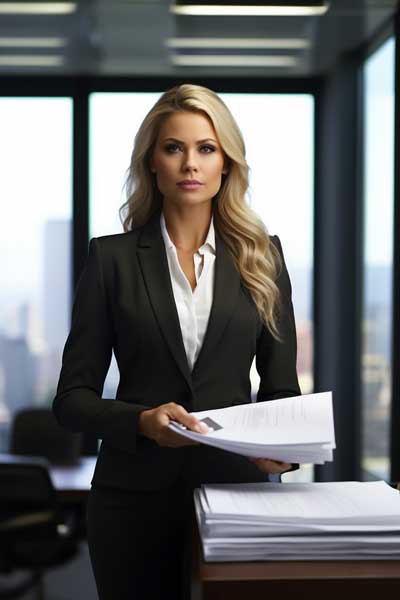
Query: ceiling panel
[[129, 37]]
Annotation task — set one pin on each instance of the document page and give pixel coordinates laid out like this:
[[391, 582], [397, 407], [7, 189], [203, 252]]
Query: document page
[[296, 420], [347, 520], [325, 502]]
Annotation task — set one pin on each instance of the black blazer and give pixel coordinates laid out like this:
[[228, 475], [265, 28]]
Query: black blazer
[[124, 301]]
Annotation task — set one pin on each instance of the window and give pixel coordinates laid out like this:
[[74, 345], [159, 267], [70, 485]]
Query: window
[[377, 260], [278, 130], [113, 122], [35, 230]]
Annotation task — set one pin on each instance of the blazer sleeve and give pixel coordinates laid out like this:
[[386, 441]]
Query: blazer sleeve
[[78, 404], [276, 360]]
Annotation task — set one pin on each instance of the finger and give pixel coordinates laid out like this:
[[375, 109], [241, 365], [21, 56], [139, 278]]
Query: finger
[[270, 468], [163, 435], [283, 466], [172, 439], [277, 463], [180, 414]]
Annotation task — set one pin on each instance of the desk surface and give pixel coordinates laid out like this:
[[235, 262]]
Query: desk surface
[[298, 570], [72, 482]]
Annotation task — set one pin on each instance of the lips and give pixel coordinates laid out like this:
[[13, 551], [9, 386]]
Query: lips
[[189, 182]]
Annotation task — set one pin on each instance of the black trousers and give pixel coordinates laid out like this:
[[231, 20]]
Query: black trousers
[[140, 542]]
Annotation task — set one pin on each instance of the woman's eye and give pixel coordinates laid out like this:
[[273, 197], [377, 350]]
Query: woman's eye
[[209, 148], [173, 148]]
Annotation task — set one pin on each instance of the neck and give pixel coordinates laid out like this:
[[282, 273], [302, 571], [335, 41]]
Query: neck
[[187, 226]]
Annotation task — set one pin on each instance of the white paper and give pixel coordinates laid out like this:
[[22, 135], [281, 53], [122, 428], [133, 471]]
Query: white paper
[[299, 521], [324, 502], [295, 429]]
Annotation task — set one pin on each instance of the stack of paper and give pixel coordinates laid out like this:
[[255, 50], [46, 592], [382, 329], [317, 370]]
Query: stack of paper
[[298, 429], [299, 521]]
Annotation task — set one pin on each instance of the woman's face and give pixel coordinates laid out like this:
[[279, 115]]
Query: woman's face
[[187, 150]]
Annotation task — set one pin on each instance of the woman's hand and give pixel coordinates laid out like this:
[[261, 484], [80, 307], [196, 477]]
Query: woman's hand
[[153, 423], [271, 467]]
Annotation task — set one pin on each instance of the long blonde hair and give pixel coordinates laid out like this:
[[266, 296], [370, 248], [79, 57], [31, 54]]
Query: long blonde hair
[[255, 257]]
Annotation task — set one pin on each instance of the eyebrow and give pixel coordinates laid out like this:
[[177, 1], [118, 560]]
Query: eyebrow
[[198, 142]]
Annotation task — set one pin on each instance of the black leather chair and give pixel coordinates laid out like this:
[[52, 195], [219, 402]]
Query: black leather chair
[[36, 533], [35, 432]]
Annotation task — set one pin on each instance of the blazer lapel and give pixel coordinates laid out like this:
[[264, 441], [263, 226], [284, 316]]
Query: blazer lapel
[[225, 298], [155, 270]]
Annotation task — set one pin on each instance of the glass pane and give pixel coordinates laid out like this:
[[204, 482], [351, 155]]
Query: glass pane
[[278, 132], [110, 148], [378, 259], [35, 248]]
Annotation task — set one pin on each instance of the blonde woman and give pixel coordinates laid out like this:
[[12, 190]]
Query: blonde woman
[[186, 297]]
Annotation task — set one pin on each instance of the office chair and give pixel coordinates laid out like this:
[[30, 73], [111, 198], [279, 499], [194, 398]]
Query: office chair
[[36, 432], [35, 533]]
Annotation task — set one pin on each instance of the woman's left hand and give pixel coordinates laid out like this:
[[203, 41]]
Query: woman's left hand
[[271, 467]]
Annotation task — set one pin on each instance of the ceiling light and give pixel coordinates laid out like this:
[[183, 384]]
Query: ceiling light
[[37, 8], [31, 42], [190, 60], [248, 43], [30, 61], [253, 8]]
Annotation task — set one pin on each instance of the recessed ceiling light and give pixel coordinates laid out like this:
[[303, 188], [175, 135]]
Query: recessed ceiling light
[[31, 42], [250, 43], [14, 60], [190, 60], [37, 8], [244, 9]]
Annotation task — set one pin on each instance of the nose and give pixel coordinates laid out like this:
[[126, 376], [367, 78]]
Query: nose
[[189, 162]]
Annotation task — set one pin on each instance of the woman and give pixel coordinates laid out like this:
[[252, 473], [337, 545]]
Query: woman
[[186, 297]]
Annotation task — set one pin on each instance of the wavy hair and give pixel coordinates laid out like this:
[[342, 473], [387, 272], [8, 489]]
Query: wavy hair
[[255, 256]]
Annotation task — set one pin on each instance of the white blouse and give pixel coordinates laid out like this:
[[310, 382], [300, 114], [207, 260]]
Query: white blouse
[[193, 306]]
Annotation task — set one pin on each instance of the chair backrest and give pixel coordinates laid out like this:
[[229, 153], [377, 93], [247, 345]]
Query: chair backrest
[[25, 485], [36, 432], [31, 537]]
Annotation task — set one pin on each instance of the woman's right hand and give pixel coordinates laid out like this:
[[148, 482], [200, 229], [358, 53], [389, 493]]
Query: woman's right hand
[[153, 423]]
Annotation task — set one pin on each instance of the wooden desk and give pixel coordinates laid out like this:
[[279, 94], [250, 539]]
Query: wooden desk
[[292, 580]]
